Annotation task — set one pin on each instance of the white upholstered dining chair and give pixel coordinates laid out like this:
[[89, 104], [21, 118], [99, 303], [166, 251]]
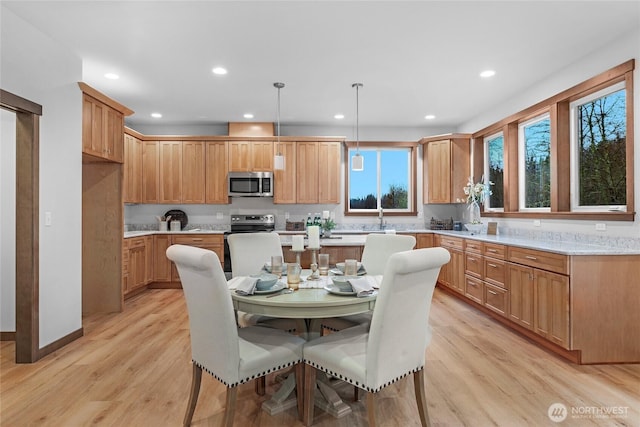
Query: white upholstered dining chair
[[394, 345], [249, 252], [377, 250], [230, 354]]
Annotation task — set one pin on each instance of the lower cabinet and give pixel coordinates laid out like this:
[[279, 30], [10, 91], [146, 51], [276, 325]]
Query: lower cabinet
[[551, 306], [336, 254], [138, 263], [212, 242]]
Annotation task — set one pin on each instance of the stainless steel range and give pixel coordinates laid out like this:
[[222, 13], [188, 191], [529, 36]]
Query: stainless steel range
[[247, 224]]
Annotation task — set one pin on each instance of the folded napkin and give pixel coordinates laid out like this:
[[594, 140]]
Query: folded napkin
[[363, 286], [243, 285]]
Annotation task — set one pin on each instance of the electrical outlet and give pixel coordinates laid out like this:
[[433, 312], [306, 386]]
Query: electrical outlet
[[286, 216], [219, 215], [420, 214], [601, 226], [536, 223], [47, 219]]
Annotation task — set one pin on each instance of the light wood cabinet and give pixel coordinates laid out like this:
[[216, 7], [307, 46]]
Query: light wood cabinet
[[102, 127], [132, 180], [551, 307], [285, 181], [452, 273], [520, 281], [250, 156], [150, 172], [138, 269], [424, 240], [446, 167], [216, 153], [212, 242], [193, 172], [170, 172], [336, 254], [318, 174], [161, 264]]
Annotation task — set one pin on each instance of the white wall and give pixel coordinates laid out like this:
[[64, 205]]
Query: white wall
[[7, 221], [35, 67], [625, 48]]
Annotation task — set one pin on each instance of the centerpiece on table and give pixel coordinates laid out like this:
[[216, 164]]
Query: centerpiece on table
[[476, 194]]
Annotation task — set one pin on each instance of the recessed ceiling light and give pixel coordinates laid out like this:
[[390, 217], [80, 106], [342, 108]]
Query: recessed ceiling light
[[487, 73], [112, 76], [156, 115], [219, 71], [339, 116], [248, 116], [429, 117]]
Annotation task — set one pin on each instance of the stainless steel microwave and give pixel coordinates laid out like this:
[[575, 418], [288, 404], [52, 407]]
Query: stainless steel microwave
[[251, 184]]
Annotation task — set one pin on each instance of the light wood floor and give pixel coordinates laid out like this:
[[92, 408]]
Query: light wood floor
[[133, 369]]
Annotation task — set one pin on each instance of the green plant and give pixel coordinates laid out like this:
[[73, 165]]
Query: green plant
[[328, 224]]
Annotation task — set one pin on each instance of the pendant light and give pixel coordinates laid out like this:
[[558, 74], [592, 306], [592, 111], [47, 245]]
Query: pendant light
[[278, 159], [357, 161]]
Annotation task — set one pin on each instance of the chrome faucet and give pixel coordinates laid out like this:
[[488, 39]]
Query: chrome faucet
[[381, 216]]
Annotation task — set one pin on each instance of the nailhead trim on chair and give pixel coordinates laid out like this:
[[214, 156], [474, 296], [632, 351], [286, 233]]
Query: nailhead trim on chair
[[245, 380], [356, 383]]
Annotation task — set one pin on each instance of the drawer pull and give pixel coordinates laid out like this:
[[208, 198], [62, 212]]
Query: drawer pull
[[493, 265], [475, 285], [492, 292], [471, 259], [531, 257], [197, 240]]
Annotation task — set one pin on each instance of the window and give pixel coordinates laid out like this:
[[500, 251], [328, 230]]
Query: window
[[569, 156], [494, 170], [534, 158], [598, 138], [386, 181]]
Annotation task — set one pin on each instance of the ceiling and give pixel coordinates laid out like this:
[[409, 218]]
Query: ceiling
[[414, 58]]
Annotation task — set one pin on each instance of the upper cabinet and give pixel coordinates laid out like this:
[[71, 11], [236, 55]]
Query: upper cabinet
[[285, 180], [132, 187], [216, 166], [193, 171], [102, 126], [318, 172], [250, 156], [446, 167]]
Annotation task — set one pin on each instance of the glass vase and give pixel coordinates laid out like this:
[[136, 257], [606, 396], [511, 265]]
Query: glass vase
[[474, 213]]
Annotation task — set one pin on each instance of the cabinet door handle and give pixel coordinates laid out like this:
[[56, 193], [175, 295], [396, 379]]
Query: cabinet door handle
[[531, 257], [493, 265], [475, 285], [492, 250], [492, 292]]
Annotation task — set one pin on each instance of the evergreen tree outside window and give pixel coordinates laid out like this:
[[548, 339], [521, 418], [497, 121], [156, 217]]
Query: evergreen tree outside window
[[534, 154], [598, 138], [494, 170]]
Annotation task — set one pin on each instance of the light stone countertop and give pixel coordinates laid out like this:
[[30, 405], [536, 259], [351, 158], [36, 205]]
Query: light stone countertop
[[357, 238]]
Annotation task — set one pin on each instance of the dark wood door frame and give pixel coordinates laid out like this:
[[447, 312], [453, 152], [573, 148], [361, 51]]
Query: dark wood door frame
[[27, 224]]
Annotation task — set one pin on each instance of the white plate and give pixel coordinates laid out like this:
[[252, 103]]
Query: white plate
[[333, 289], [275, 288]]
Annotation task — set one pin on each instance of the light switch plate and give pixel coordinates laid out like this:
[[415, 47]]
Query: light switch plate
[[601, 226], [536, 223], [219, 215], [47, 219]]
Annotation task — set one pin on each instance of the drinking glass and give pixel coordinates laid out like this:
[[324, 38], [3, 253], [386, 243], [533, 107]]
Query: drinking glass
[[276, 265], [293, 275], [323, 264], [350, 267]]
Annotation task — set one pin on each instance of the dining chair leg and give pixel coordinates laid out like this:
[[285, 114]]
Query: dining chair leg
[[309, 394], [261, 384], [421, 397], [371, 409], [196, 379], [300, 389], [230, 406]]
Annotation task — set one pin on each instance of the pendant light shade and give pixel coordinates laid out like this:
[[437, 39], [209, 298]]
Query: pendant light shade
[[278, 159], [357, 161]]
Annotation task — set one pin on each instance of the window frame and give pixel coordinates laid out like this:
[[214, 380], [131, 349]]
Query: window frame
[[559, 110], [522, 159], [486, 168], [575, 181], [381, 145]]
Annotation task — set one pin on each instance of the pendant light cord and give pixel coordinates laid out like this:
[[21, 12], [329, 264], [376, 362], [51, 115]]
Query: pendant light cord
[[278, 86]]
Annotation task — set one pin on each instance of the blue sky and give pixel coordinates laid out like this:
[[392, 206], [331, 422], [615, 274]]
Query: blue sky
[[394, 171]]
